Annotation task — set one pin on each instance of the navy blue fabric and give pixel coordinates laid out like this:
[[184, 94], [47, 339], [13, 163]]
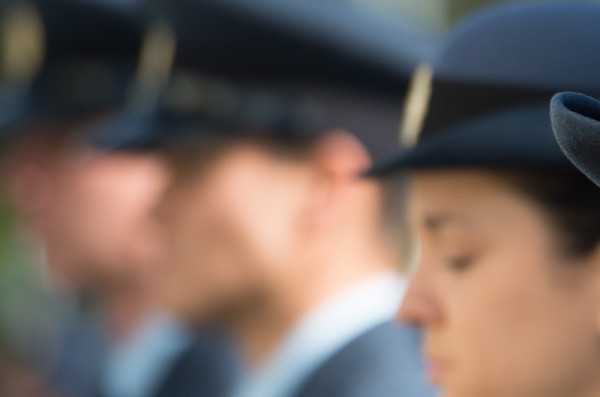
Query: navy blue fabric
[[492, 79], [311, 41], [576, 123], [90, 55], [78, 370], [290, 50], [384, 362], [518, 138], [206, 369], [529, 45]]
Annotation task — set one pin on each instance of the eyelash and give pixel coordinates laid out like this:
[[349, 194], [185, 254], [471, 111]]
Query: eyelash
[[460, 264]]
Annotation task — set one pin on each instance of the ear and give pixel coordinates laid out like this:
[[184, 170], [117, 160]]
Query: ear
[[340, 159], [341, 155]]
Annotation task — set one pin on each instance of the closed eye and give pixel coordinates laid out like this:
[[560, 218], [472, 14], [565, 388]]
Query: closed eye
[[460, 263]]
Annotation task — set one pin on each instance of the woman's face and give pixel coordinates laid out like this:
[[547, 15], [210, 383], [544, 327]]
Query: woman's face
[[503, 312]]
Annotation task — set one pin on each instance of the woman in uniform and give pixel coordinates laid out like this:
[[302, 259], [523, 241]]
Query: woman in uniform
[[507, 282]]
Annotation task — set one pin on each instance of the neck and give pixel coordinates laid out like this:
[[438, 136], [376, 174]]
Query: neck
[[126, 307], [262, 331]]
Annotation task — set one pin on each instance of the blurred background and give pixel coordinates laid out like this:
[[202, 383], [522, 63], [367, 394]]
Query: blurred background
[[437, 15]]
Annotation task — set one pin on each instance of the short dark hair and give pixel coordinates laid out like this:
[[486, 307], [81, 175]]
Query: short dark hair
[[571, 203]]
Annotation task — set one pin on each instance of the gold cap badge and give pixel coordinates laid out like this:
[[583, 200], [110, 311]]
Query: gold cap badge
[[22, 43], [416, 105]]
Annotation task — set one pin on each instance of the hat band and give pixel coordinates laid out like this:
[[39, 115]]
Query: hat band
[[75, 86], [456, 102], [223, 105]]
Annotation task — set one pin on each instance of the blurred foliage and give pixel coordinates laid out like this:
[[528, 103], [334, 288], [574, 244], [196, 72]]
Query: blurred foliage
[[6, 256], [436, 15], [460, 8], [29, 311]]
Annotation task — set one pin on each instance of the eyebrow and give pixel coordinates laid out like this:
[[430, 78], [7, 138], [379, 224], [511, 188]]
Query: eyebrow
[[435, 222]]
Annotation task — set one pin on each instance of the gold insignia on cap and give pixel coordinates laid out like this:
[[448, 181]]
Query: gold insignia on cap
[[155, 62], [416, 105], [22, 43]]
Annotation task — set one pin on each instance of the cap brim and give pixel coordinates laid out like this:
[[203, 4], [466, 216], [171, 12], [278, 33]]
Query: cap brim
[[515, 138], [576, 123], [125, 130]]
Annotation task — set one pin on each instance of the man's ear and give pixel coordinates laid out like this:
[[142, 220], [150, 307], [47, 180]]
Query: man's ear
[[341, 155], [340, 159]]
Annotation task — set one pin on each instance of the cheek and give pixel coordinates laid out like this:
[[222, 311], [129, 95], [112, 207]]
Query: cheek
[[102, 218], [62, 225], [111, 212], [184, 272], [508, 321], [208, 261], [266, 214]]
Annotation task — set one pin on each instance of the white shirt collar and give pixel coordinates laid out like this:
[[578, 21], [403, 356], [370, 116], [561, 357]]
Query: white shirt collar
[[135, 366], [323, 332]]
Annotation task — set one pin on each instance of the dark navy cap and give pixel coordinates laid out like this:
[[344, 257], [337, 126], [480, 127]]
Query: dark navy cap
[[282, 67], [576, 123], [85, 55], [485, 102], [308, 41]]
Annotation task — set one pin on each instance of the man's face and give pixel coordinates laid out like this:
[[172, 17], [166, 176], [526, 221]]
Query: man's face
[[239, 228], [95, 216]]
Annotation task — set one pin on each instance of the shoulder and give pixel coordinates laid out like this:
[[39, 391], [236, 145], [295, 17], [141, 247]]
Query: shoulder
[[384, 361], [206, 368]]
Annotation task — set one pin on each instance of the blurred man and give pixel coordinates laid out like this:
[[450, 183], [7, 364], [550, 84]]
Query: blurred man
[[275, 239], [93, 216], [285, 249], [91, 213]]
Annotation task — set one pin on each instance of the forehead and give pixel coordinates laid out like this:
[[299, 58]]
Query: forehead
[[466, 199], [245, 150], [232, 171], [451, 190], [207, 158]]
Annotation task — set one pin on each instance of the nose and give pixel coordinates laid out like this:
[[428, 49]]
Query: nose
[[420, 305]]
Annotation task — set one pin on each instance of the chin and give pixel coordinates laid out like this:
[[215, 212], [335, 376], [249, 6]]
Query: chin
[[457, 391], [447, 392]]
